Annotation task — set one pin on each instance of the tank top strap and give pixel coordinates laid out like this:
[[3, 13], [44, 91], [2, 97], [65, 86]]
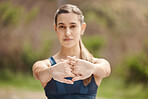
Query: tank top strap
[[52, 61], [60, 86]]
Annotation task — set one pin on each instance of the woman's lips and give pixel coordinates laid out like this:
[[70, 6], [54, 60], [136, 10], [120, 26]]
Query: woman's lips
[[68, 39]]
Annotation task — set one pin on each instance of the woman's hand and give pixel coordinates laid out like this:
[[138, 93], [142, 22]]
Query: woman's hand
[[62, 70], [81, 68]]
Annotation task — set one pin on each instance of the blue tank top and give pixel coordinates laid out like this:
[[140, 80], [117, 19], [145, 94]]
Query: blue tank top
[[58, 90]]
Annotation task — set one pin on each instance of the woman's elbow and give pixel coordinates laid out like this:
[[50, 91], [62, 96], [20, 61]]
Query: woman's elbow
[[36, 68], [108, 68]]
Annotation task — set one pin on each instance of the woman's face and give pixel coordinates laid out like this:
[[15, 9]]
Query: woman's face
[[69, 29]]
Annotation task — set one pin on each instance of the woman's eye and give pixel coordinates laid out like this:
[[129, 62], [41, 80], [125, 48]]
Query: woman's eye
[[61, 27], [73, 26]]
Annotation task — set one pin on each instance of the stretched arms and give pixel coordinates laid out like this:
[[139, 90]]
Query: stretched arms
[[72, 67]]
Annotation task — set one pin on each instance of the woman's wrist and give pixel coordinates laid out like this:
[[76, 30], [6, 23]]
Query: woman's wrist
[[50, 71], [93, 68], [45, 74]]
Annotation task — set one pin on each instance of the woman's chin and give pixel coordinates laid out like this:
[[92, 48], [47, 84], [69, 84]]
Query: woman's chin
[[68, 45]]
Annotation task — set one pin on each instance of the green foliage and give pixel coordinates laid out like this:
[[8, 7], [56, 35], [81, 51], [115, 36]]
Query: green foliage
[[115, 88], [10, 60], [18, 80], [9, 15], [94, 44], [138, 68], [100, 17], [135, 68], [30, 55], [31, 15]]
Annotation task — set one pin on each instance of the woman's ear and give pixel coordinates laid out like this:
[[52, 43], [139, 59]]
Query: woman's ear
[[83, 27], [55, 27]]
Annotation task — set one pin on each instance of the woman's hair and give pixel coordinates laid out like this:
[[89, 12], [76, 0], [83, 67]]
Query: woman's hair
[[68, 8], [84, 53]]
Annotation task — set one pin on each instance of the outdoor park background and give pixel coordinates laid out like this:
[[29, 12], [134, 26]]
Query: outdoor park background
[[117, 30]]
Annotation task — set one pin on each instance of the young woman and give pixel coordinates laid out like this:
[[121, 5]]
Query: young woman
[[72, 73]]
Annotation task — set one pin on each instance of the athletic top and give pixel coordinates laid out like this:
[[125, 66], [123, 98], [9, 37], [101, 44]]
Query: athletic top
[[57, 90]]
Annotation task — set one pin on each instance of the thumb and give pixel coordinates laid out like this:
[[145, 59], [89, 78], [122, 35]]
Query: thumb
[[76, 78], [68, 81]]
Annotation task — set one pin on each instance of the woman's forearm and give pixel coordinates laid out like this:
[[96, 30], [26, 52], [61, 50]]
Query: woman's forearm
[[45, 74], [102, 68], [41, 71]]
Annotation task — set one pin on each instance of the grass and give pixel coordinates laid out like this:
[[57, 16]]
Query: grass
[[19, 80], [115, 88], [110, 88]]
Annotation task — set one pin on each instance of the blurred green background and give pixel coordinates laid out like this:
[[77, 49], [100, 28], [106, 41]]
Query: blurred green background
[[117, 30]]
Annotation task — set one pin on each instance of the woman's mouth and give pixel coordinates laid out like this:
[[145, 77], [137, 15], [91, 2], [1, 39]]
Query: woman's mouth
[[67, 39]]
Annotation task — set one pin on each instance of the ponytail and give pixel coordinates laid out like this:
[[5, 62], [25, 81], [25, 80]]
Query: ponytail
[[85, 55]]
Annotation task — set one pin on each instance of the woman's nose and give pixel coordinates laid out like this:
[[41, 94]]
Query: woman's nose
[[68, 32]]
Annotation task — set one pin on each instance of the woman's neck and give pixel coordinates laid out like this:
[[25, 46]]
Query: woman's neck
[[64, 52]]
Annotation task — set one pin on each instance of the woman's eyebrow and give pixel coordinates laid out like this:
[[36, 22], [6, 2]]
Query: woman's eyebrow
[[63, 23], [60, 23], [73, 23]]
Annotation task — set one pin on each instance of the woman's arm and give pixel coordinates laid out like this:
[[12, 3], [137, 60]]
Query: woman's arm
[[84, 69], [42, 71], [101, 68]]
